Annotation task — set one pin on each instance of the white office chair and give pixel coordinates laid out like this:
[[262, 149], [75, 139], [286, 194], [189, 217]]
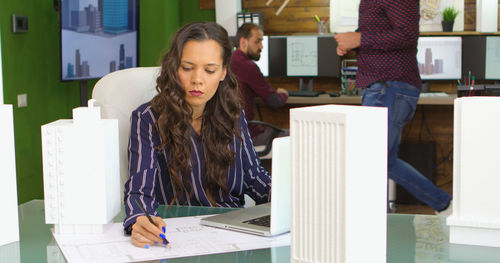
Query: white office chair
[[118, 94], [121, 92]]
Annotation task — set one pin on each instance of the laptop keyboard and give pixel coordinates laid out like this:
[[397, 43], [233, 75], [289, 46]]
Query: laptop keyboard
[[260, 221]]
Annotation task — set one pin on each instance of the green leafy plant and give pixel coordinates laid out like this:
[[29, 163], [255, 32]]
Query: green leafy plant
[[450, 13]]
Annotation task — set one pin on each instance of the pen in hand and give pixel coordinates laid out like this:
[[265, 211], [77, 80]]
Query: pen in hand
[[165, 241]]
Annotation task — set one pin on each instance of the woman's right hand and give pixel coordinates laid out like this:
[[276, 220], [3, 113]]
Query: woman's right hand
[[144, 234]]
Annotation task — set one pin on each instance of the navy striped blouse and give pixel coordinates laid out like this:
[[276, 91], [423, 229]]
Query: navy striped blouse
[[150, 181]]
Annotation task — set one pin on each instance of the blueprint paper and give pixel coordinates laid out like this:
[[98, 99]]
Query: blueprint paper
[[302, 56], [187, 238]]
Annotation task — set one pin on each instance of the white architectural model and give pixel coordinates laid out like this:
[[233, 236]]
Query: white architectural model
[[339, 184], [9, 222], [81, 172], [476, 172]]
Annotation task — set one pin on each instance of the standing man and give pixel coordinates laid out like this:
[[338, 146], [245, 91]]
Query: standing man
[[250, 79], [387, 71]]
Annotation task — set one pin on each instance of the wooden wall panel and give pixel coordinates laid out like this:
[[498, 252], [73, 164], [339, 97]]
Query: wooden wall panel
[[293, 20], [297, 17], [207, 4], [470, 15], [277, 3]]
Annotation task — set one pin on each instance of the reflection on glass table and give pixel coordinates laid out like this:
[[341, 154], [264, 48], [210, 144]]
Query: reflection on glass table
[[410, 238]]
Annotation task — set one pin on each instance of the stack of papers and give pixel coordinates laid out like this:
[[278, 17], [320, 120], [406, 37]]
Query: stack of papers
[[187, 238]]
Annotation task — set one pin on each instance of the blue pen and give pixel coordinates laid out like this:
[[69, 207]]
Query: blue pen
[[165, 241]]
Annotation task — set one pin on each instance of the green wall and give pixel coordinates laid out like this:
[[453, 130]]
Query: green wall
[[159, 19], [190, 12], [30, 64]]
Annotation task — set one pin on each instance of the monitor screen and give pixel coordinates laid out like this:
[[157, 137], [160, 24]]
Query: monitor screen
[[473, 56], [492, 68], [302, 56], [263, 62], [277, 56], [98, 37], [326, 64], [328, 60], [440, 57]]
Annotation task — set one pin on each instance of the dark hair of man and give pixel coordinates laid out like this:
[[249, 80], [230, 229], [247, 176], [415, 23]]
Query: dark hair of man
[[220, 116], [245, 31]]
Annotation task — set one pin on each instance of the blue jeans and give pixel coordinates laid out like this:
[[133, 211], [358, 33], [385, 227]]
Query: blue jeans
[[401, 101]]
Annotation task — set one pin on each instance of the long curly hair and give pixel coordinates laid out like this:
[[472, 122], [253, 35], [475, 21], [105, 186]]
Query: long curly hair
[[220, 116]]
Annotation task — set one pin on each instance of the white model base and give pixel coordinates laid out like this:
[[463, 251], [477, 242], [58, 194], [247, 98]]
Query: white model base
[[82, 229], [468, 235]]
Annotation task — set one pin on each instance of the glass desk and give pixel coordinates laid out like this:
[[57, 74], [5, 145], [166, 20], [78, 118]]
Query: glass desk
[[410, 238]]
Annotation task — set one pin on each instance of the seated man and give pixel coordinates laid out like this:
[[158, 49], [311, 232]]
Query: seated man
[[251, 81]]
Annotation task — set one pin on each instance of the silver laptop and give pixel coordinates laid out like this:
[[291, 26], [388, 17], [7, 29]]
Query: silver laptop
[[268, 219]]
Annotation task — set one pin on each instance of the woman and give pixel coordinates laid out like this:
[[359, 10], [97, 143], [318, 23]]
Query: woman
[[190, 145]]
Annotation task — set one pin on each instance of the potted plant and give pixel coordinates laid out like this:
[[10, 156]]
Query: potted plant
[[449, 15]]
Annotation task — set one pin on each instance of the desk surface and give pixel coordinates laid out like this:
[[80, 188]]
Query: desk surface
[[326, 99], [410, 238]]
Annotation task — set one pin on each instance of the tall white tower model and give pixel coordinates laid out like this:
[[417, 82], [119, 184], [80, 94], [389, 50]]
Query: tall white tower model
[[81, 172], [476, 172], [9, 221], [339, 184]]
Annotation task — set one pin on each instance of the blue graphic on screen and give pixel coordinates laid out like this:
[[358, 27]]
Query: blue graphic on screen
[[97, 37]]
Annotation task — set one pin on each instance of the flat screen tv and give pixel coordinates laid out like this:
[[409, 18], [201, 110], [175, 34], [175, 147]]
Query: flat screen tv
[[98, 37]]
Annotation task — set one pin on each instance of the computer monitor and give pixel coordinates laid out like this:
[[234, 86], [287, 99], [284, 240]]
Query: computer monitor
[[277, 56], [327, 65], [306, 57], [328, 60], [439, 57], [263, 62], [473, 56], [492, 67]]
